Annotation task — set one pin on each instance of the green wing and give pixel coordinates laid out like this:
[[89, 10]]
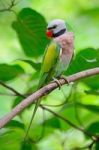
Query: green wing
[[49, 63]]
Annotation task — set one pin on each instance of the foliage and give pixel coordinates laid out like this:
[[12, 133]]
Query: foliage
[[23, 40], [30, 26]]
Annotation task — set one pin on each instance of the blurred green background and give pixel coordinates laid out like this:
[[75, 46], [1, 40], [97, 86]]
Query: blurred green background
[[22, 44]]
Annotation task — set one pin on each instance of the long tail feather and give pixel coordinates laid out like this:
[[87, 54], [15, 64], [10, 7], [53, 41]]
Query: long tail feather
[[34, 112]]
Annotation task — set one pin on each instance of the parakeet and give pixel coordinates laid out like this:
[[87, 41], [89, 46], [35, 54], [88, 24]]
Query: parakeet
[[58, 54]]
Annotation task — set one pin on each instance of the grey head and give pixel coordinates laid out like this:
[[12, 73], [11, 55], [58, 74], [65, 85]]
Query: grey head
[[57, 27]]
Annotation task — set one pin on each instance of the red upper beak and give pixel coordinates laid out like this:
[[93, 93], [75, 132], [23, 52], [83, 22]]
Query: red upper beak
[[49, 33]]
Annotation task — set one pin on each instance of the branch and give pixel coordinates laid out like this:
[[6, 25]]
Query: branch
[[9, 8], [68, 122], [12, 89], [44, 91]]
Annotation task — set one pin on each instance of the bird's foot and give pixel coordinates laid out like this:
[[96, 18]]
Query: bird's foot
[[58, 83], [66, 80]]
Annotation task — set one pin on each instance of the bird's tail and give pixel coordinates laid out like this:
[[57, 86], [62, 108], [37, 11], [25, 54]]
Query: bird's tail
[[33, 115]]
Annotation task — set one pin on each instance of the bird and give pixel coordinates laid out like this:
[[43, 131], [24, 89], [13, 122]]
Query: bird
[[57, 57], [58, 53]]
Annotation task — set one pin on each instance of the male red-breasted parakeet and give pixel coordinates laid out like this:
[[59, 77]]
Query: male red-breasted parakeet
[[58, 54]]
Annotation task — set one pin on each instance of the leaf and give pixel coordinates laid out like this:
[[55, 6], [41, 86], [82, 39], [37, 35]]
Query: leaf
[[34, 65], [93, 92], [13, 138], [97, 146], [28, 145], [8, 72], [31, 28], [53, 122], [93, 108], [92, 82], [15, 124], [91, 12], [93, 128], [17, 101], [85, 59]]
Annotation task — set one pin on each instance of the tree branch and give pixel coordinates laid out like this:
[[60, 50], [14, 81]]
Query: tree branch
[[9, 8], [44, 91], [12, 89]]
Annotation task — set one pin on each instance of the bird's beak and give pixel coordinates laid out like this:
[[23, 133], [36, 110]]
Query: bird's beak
[[49, 33]]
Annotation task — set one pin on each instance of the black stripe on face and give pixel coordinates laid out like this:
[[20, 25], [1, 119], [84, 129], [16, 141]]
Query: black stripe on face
[[49, 28], [59, 33]]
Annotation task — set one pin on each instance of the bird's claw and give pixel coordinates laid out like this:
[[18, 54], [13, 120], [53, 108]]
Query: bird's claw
[[66, 80], [58, 83]]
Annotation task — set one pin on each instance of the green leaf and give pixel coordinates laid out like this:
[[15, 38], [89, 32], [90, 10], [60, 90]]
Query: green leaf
[[31, 28], [34, 65], [17, 101], [8, 72], [85, 59], [93, 128], [28, 145], [97, 146], [93, 92], [15, 124], [93, 108], [53, 122], [14, 137], [92, 82]]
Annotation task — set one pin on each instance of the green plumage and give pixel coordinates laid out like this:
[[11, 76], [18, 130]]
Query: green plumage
[[49, 64], [48, 71]]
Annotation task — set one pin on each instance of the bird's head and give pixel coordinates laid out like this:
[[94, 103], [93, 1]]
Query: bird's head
[[56, 28]]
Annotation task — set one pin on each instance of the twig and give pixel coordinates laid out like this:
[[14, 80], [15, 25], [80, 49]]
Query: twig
[[68, 122], [14, 95], [9, 8], [93, 137], [89, 146], [12, 89], [7, 94], [75, 106], [44, 91], [64, 102]]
